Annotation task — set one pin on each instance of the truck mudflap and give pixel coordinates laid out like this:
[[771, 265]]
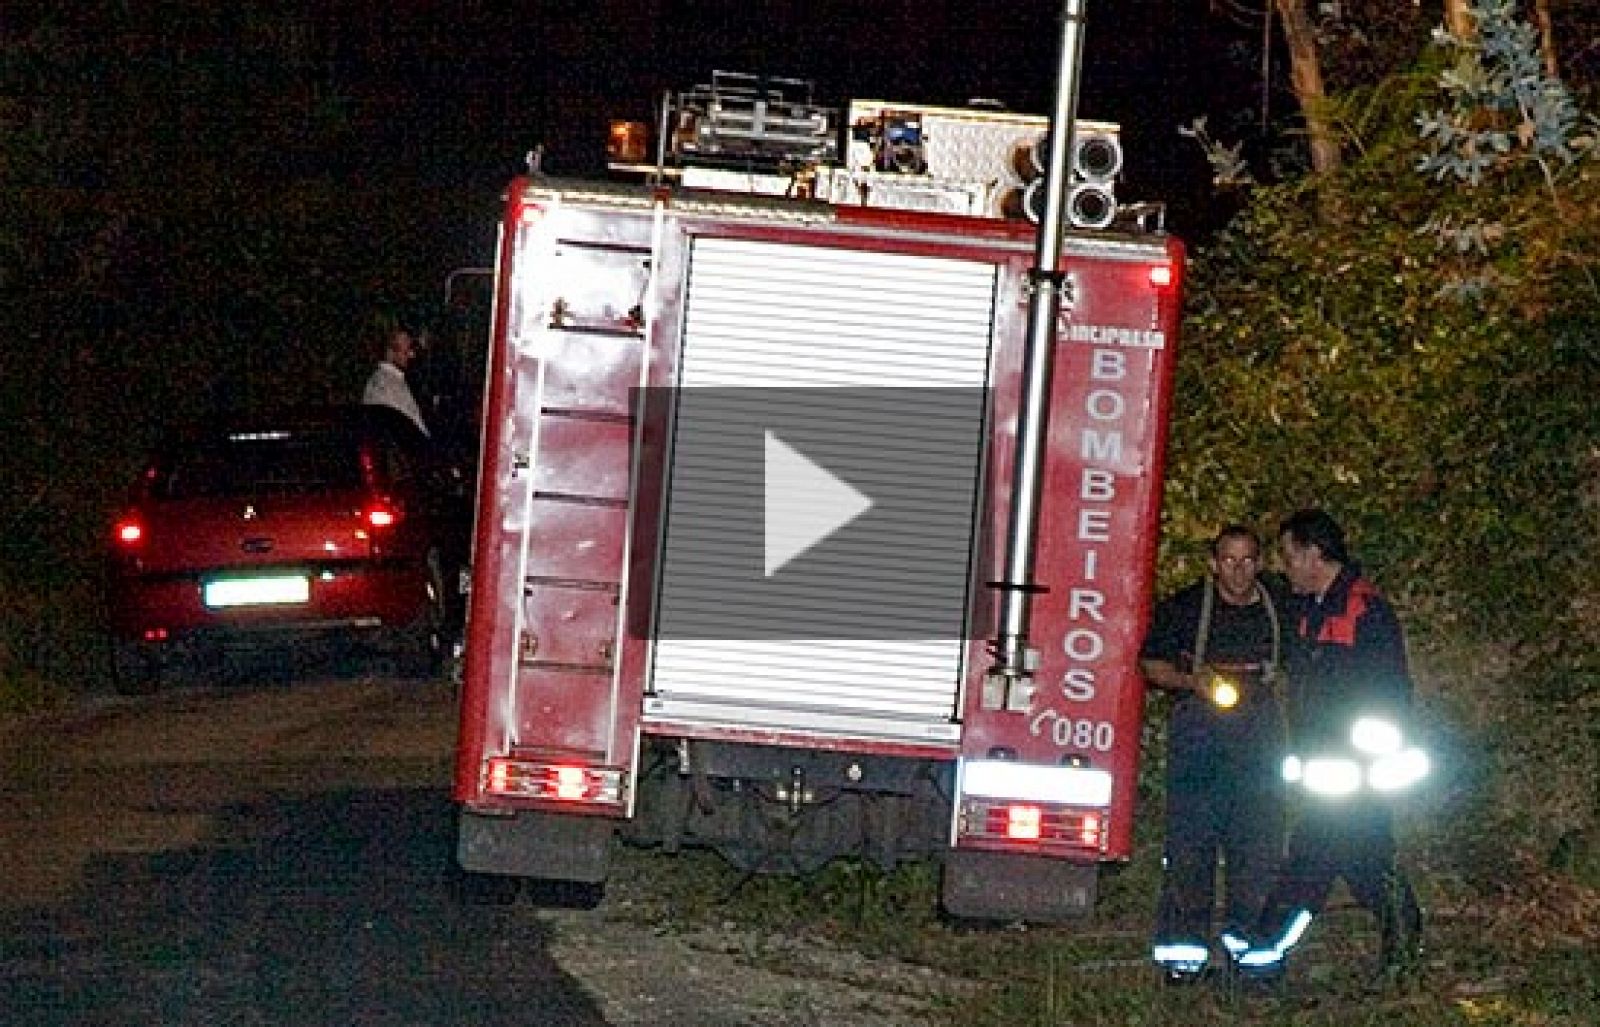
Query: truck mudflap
[[550, 847], [1015, 886]]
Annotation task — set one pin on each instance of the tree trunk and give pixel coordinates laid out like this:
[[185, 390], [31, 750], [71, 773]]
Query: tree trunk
[[1305, 75], [1458, 20], [1547, 37]]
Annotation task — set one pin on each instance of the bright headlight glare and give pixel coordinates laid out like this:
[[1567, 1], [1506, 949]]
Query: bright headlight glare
[[1398, 771], [1331, 776], [1292, 769], [1375, 737]]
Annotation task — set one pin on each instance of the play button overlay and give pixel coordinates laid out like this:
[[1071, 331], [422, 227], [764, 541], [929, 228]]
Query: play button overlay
[[804, 504], [807, 513]]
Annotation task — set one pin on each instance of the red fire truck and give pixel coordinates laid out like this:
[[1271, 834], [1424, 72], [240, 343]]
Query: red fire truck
[[586, 714]]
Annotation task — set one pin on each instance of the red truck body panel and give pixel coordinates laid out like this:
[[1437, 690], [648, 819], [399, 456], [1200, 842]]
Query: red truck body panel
[[591, 307]]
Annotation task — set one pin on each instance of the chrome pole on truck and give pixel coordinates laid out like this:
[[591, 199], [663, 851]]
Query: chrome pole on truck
[[1009, 684]]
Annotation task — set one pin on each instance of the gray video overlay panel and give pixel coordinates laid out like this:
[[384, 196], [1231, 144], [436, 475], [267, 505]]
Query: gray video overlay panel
[[901, 570]]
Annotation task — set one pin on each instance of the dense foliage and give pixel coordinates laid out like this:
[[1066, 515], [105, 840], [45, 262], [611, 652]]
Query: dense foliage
[[1419, 352]]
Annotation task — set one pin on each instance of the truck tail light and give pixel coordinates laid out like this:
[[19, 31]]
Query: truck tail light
[[563, 782], [1023, 822], [1036, 825], [1161, 275], [1038, 805]]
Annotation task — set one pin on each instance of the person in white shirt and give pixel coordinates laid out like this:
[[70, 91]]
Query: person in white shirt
[[387, 385]]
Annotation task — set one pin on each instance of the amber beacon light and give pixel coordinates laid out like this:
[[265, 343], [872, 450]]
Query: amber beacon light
[[626, 142]]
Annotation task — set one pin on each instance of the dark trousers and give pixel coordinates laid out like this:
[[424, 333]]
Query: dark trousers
[[1242, 820], [1353, 841]]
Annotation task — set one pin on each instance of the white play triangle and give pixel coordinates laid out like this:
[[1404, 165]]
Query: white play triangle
[[804, 504]]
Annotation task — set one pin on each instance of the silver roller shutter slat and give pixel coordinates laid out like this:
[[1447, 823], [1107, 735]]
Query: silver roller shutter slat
[[777, 315]]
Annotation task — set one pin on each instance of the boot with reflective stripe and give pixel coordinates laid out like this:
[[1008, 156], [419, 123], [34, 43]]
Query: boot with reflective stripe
[[1268, 957], [1181, 962]]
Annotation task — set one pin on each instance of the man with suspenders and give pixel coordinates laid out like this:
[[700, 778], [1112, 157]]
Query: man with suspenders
[[1216, 647]]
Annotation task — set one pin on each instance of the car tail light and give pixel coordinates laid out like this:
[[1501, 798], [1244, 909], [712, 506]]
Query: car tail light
[[128, 532], [380, 516]]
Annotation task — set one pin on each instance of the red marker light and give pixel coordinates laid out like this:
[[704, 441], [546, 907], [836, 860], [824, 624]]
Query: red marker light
[[129, 532], [381, 517], [1161, 275]]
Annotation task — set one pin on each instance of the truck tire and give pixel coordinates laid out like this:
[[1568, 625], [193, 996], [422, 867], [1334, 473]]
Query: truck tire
[[1009, 887]]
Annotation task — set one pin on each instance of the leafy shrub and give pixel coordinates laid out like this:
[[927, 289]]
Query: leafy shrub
[[1439, 399]]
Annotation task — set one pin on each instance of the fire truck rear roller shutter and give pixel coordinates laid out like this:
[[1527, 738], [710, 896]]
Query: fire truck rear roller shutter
[[793, 316]]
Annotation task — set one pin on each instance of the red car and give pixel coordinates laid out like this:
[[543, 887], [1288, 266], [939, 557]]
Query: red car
[[277, 529]]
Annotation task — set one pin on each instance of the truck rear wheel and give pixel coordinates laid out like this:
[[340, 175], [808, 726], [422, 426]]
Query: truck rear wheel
[[1008, 887]]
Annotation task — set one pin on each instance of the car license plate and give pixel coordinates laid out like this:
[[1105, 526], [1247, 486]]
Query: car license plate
[[279, 590]]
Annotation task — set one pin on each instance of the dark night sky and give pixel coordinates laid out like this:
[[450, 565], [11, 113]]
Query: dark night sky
[[455, 92], [471, 84]]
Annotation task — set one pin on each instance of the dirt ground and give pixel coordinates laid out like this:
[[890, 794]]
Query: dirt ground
[[727, 976], [324, 803]]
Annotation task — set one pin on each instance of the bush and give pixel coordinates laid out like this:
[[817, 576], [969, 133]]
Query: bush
[[1366, 343]]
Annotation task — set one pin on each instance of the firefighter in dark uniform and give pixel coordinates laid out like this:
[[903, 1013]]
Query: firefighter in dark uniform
[[1215, 646], [1349, 697]]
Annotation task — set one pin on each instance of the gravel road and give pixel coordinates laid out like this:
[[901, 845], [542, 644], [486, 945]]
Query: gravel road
[[281, 853]]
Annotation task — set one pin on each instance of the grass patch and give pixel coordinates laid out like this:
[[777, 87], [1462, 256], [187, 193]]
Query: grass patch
[[1476, 969]]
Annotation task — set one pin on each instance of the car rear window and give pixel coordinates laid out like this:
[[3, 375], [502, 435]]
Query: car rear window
[[262, 464]]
